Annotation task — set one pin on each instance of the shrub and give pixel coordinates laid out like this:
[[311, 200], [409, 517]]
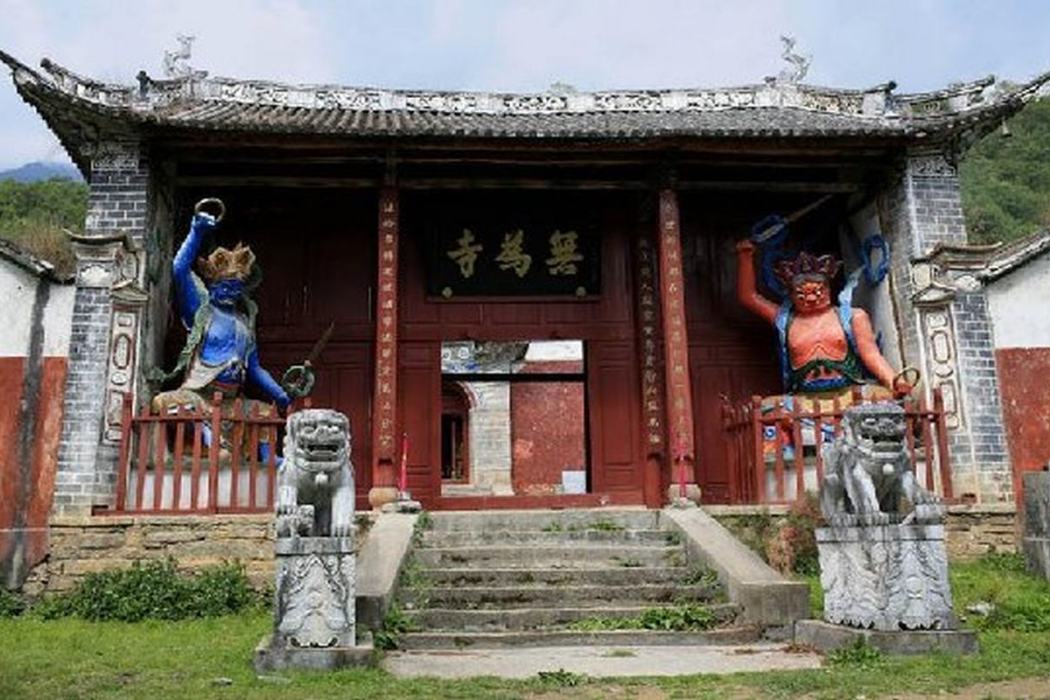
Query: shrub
[[793, 547], [154, 590], [11, 604]]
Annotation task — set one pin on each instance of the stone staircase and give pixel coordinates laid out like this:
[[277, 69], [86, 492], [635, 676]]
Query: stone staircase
[[555, 578]]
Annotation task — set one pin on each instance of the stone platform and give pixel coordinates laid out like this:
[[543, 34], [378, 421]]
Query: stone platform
[[828, 637], [268, 657]]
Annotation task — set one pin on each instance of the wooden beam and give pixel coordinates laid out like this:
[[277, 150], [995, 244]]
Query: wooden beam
[[458, 183]]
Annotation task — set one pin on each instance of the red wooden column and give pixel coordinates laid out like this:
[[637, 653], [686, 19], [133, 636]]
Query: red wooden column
[[678, 391], [384, 395]]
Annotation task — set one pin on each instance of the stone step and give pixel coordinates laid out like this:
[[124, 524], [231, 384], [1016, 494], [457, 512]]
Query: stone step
[[595, 555], [570, 638], [580, 537], [498, 620], [597, 576], [581, 518], [459, 597]]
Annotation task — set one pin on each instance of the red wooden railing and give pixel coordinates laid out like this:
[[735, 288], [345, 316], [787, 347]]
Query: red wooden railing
[[165, 467], [762, 470]]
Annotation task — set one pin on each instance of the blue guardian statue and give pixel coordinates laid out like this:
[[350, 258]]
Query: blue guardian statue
[[220, 355]]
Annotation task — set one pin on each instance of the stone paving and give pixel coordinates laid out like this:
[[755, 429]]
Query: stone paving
[[598, 661]]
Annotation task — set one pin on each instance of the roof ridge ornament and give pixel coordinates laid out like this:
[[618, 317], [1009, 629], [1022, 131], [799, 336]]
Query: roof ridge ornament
[[798, 64], [176, 63]]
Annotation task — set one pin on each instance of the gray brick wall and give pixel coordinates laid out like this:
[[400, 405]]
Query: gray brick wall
[[118, 204], [924, 209]]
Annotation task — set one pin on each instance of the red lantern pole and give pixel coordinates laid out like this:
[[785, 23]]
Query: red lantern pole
[[680, 456], [402, 482]]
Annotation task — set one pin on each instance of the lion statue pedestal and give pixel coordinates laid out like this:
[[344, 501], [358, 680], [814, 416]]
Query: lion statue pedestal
[[315, 601], [884, 570]]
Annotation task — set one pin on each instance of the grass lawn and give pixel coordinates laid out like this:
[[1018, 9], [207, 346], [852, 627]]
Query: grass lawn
[[157, 660]]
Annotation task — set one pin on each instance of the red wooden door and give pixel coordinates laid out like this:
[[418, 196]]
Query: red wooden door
[[615, 417], [731, 353], [419, 389]]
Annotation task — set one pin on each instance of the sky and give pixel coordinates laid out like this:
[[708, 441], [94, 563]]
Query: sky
[[519, 45]]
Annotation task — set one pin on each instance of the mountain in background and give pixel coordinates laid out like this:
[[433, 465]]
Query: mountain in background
[[35, 172]]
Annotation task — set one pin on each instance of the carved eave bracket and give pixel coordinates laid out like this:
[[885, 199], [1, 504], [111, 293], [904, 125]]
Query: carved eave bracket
[[948, 270]]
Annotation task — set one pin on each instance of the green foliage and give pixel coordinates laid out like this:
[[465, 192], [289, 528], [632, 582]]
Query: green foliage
[[553, 526], [561, 678], [1006, 179], [1020, 601], [32, 215], [11, 604], [395, 624], [686, 617], [679, 618], [605, 526], [701, 576], [859, 654], [154, 590]]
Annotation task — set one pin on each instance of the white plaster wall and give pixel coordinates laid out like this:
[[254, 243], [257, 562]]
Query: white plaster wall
[[1019, 303], [58, 320], [490, 445], [17, 291], [554, 351]]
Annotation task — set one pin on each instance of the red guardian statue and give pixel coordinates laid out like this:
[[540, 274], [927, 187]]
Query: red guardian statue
[[825, 350]]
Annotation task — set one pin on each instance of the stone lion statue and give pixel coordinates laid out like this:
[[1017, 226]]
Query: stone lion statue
[[315, 482], [868, 471]]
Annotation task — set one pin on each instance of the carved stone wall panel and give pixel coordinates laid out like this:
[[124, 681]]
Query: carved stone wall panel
[[121, 372], [942, 368]]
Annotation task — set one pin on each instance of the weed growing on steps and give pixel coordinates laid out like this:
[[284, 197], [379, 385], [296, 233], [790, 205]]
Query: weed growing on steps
[[552, 527], [677, 618], [605, 526], [395, 624], [702, 576], [627, 562]]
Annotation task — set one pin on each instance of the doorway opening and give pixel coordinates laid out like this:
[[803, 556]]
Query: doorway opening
[[514, 418], [455, 448]]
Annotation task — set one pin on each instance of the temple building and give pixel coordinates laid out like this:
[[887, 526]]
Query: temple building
[[494, 262]]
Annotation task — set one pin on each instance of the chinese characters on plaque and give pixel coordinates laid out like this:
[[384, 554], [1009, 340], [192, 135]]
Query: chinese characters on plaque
[[513, 261]]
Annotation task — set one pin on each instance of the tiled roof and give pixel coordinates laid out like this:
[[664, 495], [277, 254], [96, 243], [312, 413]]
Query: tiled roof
[[31, 263], [772, 109], [1016, 254]]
